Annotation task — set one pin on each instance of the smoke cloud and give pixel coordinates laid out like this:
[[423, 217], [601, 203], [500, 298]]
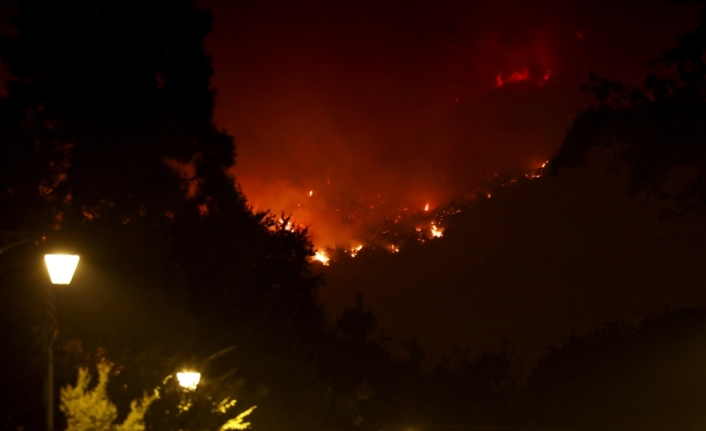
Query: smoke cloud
[[379, 106]]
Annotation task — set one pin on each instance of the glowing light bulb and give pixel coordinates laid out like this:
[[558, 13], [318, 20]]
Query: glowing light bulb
[[189, 380], [61, 267]]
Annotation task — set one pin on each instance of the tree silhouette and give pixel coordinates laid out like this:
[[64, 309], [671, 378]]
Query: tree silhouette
[[109, 147], [656, 130], [623, 377]]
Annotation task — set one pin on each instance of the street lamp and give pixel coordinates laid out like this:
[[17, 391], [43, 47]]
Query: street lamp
[[61, 269], [189, 380]]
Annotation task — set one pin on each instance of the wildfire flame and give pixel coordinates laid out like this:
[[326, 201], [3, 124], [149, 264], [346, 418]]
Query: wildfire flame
[[398, 228], [523, 74], [537, 173], [519, 75], [286, 224], [355, 250], [321, 257], [436, 232]]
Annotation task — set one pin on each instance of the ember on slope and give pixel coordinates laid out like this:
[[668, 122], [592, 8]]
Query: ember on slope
[[370, 222]]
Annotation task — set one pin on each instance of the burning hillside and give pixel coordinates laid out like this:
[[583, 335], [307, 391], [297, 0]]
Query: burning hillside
[[354, 122], [370, 221]]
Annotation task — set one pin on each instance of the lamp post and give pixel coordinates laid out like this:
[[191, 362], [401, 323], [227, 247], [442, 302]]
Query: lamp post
[[188, 380], [61, 268]]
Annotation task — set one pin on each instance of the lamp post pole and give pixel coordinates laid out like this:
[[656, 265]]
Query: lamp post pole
[[61, 270], [51, 334]]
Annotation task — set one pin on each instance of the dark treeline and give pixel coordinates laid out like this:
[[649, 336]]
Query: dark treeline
[[109, 150]]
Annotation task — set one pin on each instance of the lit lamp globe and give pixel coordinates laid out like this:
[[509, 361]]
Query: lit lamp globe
[[61, 267], [189, 379]]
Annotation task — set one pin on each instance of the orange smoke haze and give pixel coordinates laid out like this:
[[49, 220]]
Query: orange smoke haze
[[375, 107]]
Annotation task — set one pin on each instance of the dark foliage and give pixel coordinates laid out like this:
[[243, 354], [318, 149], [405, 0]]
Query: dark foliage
[[622, 377], [110, 150], [658, 130]]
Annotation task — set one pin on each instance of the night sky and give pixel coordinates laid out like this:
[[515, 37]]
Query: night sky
[[376, 107]]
